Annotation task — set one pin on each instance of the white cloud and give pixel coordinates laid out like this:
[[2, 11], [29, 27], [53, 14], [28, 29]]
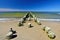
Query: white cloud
[[6, 9]]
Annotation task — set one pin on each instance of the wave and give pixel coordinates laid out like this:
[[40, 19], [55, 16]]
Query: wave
[[50, 19], [58, 13], [7, 19]]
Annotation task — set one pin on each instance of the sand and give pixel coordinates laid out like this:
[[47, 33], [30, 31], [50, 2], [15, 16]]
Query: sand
[[26, 33]]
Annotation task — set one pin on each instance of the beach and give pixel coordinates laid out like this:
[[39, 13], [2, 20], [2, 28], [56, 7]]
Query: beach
[[26, 33]]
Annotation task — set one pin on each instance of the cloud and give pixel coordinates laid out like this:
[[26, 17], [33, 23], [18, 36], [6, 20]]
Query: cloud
[[7, 9]]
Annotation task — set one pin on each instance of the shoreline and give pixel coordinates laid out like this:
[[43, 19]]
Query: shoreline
[[17, 19], [50, 20]]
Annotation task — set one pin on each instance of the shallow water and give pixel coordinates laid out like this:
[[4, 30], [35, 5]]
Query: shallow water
[[48, 16], [49, 19], [8, 19]]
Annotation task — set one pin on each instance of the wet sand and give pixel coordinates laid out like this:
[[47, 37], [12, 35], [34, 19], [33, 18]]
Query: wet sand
[[26, 33]]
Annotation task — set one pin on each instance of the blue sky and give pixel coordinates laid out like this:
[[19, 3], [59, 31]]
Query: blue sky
[[39, 5]]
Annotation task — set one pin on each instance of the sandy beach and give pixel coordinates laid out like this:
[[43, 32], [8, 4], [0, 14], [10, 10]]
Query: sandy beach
[[26, 33]]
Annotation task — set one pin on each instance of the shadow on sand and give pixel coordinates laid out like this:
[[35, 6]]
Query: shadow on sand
[[13, 36], [31, 26]]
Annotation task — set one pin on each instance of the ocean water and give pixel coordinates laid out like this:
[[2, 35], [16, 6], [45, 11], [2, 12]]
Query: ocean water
[[57, 20], [8, 19], [47, 16], [42, 15]]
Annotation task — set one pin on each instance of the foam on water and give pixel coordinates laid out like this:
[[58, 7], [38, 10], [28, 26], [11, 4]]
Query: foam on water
[[50, 19], [7, 19], [4, 19]]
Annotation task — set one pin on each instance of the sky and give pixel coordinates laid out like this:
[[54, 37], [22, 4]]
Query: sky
[[35, 5]]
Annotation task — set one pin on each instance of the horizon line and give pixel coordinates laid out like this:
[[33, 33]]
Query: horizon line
[[8, 9]]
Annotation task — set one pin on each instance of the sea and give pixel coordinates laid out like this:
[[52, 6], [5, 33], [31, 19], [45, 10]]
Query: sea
[[48, 16], [45, 16]]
